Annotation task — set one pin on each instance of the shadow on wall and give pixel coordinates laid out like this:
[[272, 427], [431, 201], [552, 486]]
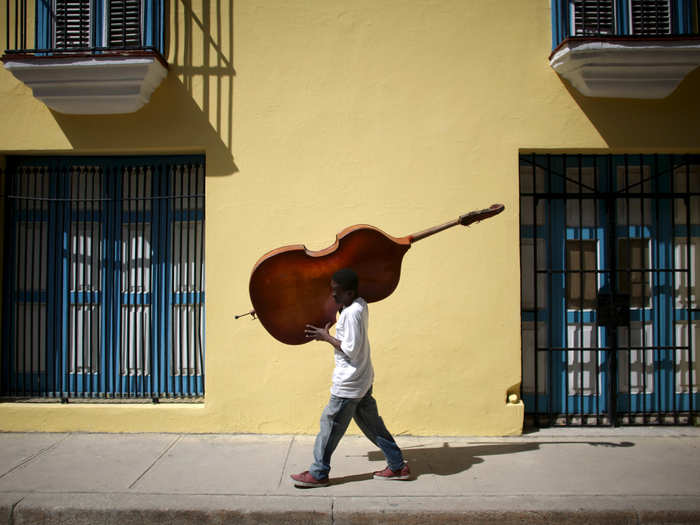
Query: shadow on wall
[[191, 111], [669, 124]]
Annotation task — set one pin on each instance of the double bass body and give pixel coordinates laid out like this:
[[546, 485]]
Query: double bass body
[[290, 286]]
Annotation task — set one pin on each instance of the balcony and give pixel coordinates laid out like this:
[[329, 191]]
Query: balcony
[[625, 48], [88, 56]]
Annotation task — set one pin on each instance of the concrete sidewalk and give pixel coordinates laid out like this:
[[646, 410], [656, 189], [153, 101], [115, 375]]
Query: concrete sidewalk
[[628, 475]]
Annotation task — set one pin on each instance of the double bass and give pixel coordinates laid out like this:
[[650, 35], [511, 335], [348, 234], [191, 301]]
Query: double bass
[[290, 286]]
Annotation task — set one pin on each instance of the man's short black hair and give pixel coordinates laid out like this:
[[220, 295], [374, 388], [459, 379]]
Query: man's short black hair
[[346, 278]]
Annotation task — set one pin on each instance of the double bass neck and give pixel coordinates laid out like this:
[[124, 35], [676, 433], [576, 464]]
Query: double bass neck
[[464, 220]]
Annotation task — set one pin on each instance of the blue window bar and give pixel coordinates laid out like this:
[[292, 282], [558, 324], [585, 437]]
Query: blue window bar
[[636, 19], [103, 280], [84, 27]]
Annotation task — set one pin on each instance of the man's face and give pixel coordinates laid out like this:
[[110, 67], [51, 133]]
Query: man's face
[[344, 297]]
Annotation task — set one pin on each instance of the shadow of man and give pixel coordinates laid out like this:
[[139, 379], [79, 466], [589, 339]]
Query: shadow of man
[[448, 460]]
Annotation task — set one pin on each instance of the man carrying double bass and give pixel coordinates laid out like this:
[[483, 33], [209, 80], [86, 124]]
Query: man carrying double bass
[[351, 392]]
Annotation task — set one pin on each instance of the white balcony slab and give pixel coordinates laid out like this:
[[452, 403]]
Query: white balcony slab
[[90, 85], [645, 69]]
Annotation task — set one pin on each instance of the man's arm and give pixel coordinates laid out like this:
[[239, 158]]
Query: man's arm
[[322, 334], [352, 338]]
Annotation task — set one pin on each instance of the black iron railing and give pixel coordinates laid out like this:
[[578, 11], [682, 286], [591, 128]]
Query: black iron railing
[[610, 246], [631, 19], [69, 27]]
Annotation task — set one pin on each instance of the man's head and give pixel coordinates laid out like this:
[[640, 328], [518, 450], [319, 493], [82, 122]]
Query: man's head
[[344, 286]]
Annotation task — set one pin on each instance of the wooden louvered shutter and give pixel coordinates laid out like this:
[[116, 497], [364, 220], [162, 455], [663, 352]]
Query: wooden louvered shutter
[[72, 26], [651, 17], [593, 17], [124, 23]]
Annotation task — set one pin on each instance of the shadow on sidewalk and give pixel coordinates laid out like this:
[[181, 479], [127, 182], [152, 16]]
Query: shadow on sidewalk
[[447, 460]]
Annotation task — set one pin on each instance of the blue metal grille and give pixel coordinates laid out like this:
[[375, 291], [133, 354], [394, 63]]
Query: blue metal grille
[[104, 277]]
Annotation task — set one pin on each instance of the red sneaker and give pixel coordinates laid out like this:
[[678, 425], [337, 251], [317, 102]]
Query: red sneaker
[[403, 474], [306, 480]]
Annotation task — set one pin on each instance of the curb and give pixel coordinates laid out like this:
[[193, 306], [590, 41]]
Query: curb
[[157, 509], [128, 509]]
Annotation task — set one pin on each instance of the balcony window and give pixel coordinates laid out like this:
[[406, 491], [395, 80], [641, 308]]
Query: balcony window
[[606, 17], [74, 21], [625, 48], [88, 56], [620, 18], [91, 26]]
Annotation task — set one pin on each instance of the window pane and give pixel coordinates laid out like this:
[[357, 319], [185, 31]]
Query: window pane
[[686, 292], [582, 367], [136, 340], [124, 23], [136, 189], [30, 337], [86, 188], [85, 257], [527, 265], [72, 23], [532, 384], [136, 258], [633, 210], [637, 375], [685, 377], [593, 17], [84, 327], [651, 17], [32, 254], [188, 254], [581, 279], [187, 187], [188, 332], [632, 279], [33, 186]]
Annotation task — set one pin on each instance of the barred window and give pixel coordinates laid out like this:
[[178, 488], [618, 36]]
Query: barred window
[[609, 277], [104, 278]]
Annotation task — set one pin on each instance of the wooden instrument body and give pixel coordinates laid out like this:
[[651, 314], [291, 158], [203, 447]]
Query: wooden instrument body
[[290, 287], [289, 283]]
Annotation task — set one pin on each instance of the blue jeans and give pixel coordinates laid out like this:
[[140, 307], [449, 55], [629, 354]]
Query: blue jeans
[[334, 422]]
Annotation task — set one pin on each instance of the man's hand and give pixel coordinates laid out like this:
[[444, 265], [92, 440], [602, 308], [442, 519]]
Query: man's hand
[[316, 333], [321, 334]]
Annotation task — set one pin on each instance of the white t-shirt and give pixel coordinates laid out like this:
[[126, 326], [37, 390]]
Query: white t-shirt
[[353, 373]]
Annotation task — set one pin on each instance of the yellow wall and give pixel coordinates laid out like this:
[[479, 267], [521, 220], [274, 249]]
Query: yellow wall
[[315, 115]]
